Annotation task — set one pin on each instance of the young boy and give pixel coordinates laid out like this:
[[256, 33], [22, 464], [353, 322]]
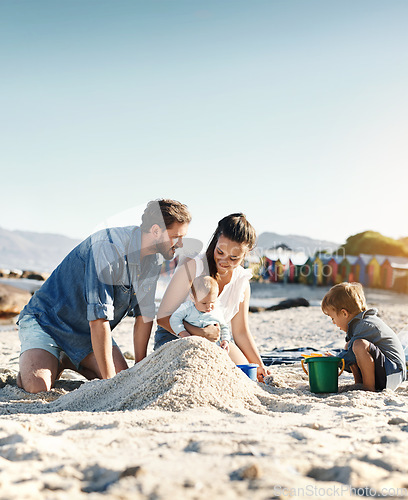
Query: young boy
[[201, 311], [373, 352]]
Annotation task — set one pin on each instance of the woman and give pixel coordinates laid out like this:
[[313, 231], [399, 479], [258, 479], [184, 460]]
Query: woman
[[232, 240]]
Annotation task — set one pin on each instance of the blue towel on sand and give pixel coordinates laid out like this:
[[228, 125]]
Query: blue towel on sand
[[279, 356]]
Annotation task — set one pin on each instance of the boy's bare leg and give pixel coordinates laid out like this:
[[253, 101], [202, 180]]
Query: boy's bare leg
[[365, 362], [38, 370], [355, 370]]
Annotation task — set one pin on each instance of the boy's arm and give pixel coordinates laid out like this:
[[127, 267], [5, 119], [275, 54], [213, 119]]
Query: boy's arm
[[141, 334], [101, 338]]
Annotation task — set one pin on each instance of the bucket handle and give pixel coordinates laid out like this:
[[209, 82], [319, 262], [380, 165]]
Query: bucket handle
[[341, 371]]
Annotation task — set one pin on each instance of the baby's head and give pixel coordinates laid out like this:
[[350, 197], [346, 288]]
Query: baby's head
[[344, 301], [204, 291]]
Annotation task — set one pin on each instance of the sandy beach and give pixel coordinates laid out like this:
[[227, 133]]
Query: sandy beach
[[185, 423]]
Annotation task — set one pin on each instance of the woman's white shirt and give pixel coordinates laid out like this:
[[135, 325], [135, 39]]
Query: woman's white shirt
[[234, 292]]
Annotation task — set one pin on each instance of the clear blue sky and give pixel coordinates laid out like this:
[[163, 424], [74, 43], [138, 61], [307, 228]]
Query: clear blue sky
[[294, 112]]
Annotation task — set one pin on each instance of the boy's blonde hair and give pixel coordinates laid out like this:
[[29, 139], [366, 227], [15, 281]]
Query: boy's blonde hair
[[202, 286], [348, 296]]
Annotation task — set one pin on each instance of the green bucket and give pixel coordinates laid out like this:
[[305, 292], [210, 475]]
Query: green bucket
[[323, 373]]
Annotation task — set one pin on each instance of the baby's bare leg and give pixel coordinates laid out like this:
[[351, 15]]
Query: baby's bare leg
[[355, 370], [365, 361]]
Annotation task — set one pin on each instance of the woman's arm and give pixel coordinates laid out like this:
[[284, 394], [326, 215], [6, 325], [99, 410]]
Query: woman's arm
[[210, 332], [175, 294], [243, 337]]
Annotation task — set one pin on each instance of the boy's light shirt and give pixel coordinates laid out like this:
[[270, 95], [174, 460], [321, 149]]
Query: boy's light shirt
[[188, 312]]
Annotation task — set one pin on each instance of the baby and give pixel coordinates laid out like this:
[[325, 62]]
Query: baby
[[201, 311]]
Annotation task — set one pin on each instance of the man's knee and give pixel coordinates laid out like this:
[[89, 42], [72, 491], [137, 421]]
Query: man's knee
[[38, 370], [34, 384]]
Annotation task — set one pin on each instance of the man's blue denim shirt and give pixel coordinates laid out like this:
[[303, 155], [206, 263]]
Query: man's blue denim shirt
[[102, 278]]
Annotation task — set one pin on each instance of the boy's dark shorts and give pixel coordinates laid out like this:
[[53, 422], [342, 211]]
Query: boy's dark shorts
[[379, 367]]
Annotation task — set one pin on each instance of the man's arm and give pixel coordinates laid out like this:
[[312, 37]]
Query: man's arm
[[101, 338], [141, 334]]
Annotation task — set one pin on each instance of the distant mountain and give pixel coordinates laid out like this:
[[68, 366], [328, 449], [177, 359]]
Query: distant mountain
[[297, 243], [40, 252], [43, 252]]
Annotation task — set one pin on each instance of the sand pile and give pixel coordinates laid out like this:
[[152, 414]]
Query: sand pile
[[182, 374]]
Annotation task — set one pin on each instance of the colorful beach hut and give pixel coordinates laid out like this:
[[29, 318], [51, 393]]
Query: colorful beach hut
[[306, 272], [326, 269], [347, 268], [333, 276], [399, 274], [386, 274], [280, 268], [317, 271], [361, 269], [374, 270], [296, 262], [270, 269], [168, 267]]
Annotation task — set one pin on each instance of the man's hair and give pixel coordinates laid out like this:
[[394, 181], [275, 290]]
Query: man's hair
[[348, 296], [164, 213], [202, 286]]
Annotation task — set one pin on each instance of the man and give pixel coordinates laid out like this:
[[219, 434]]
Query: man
[[111, 274]]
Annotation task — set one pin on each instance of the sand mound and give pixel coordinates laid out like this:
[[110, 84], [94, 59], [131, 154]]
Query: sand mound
[[182, 374]]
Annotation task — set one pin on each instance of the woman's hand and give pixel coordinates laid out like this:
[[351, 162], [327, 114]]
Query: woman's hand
[[211, 332], [262, 372]]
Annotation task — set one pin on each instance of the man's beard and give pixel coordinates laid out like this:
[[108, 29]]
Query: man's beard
[[166, 252]]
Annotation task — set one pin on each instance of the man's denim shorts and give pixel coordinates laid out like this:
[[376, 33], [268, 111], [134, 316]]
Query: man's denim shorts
[[32, 336]]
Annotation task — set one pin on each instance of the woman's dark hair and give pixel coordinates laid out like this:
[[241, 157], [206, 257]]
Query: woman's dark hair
[[236, 228]]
